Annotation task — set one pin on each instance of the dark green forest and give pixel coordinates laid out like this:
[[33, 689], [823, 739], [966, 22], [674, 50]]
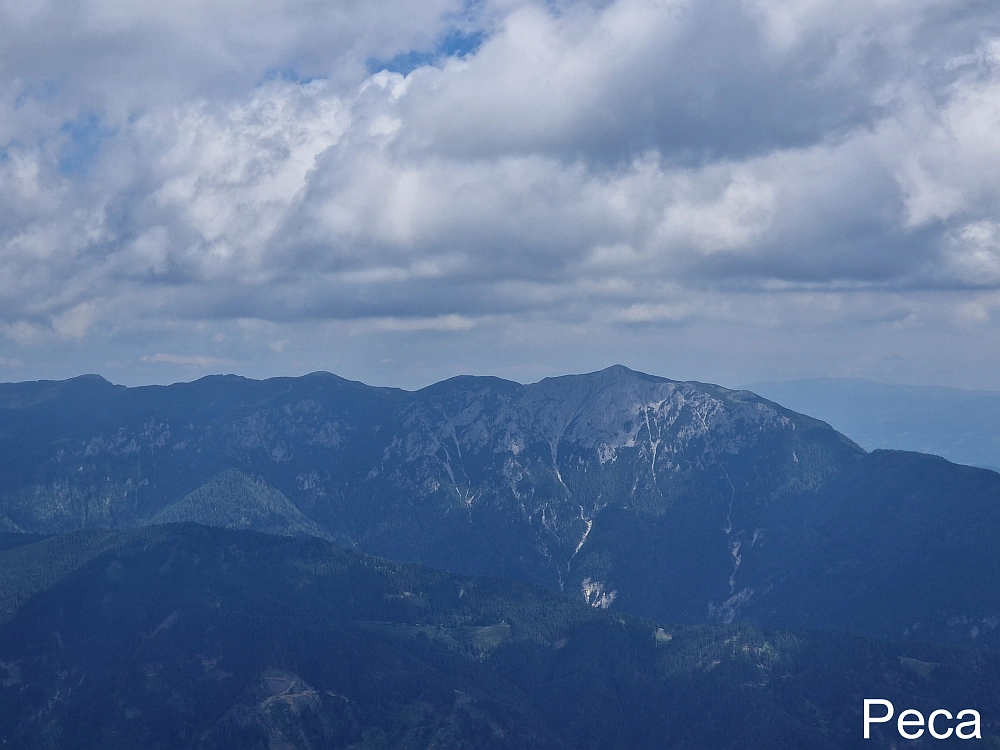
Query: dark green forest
[[188, 636]]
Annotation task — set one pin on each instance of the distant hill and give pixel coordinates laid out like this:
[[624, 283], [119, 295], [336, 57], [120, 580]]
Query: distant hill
[[962, 426], [184, 636], [235, 501], [679, 501]]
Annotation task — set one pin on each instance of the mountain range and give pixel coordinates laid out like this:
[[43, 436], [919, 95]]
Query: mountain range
[[682, 502]]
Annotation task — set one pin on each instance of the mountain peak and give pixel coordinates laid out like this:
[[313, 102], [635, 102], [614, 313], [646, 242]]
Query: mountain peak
[[31, 393], [90, 378], [612, 374]]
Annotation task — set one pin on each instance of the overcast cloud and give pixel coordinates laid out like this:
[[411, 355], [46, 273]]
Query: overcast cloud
[[395, 191]]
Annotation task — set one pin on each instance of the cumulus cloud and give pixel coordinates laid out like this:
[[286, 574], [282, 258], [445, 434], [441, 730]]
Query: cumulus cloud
[[199, 361], [170, 170]]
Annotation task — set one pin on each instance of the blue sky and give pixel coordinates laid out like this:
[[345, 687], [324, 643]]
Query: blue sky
[[399, 192]]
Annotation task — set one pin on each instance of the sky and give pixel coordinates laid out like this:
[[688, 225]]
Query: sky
[[399, 192]]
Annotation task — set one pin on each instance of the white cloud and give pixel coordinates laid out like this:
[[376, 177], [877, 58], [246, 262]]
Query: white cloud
[[437, 323], [628, 161], [75, 321], [10, 364], [974, 257], [199, 361]]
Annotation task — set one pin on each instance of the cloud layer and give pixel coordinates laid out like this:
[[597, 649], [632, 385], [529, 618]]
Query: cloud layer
[[248, 184]]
